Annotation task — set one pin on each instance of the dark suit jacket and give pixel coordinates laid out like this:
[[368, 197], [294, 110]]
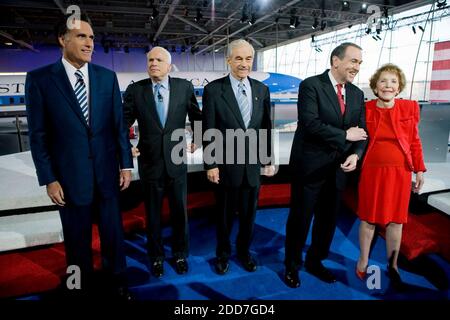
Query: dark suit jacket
[[221, 111], [64, 147], [155, 143], [319, 140]]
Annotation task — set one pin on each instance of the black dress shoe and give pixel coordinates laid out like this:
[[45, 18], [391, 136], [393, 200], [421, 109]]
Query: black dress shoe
[[317, 269], [396, 280], [181, 266], [291, 278], [157, 268], [222, 265], [248, 263]]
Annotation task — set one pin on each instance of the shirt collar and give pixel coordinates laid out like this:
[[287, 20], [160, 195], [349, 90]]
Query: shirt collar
[[235, 82], [164, 83], [70, 69], [333, 80]]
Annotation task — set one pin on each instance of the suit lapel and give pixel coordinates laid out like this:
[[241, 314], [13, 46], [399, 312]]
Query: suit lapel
[[330, 93], [93, 104], [149, 102], [172, 101], [230, 99], [350, 102], [255, 102], [62, 82]]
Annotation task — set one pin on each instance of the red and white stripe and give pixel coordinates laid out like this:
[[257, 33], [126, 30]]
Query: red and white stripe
[[440, 75]]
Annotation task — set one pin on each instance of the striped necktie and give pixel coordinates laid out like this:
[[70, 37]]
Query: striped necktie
[[243, 103], [81, 94]]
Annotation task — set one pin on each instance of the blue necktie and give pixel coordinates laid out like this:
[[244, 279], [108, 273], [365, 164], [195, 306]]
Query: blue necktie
[[81, 94], [243, 103], [160, 107]]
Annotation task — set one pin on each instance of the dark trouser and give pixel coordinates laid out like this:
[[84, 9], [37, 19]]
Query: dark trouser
[[318, 197], [77, 228], [244, 200], [154, 191]]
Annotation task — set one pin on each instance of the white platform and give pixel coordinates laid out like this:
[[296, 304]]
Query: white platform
[[440, 201], [30, 230]]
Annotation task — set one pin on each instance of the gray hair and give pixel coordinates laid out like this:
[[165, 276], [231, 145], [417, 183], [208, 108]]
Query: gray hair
[[339, 51], [167, 53], [238, 43]]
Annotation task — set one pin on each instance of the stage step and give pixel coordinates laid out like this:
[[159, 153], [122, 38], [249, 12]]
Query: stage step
[[28, 230]]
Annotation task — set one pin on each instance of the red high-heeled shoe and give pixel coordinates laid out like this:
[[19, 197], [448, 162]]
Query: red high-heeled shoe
[[361, 274]]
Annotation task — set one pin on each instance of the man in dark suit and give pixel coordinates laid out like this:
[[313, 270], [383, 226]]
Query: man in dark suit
[[329, 141], [160, 105], [238, 104], [80, 149]]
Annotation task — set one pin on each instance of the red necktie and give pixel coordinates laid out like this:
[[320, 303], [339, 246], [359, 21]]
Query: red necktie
[[340, 98]]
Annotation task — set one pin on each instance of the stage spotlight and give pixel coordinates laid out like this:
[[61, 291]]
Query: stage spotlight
[[252, 20], [199, 15], [363, 8], [345, 6], [244, 16], [154, 14], [292, 22], [316, 23]]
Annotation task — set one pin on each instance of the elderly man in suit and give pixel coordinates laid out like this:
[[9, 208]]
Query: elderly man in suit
[[240, 104], [329, 141], [80, 148], [160, 104]]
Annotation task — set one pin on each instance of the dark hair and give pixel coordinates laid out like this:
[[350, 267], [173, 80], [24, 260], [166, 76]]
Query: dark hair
[[61, 26], [339, 51]]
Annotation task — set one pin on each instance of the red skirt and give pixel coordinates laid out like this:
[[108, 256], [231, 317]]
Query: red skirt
[[384, 194]]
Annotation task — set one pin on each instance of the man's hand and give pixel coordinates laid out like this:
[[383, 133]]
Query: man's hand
[[350, 163], [56, 193], [135, 152], [191, 147], [125, 179], [419, 182], [356, 134], [213, 175], [268, 171]]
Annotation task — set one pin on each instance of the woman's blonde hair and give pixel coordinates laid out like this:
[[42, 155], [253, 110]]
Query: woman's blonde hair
[[392, 68]]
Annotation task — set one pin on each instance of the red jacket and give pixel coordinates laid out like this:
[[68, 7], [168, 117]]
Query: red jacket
[[405, 120]]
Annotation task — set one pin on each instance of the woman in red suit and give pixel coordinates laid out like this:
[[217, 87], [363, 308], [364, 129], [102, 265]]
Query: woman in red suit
[[394, 151]]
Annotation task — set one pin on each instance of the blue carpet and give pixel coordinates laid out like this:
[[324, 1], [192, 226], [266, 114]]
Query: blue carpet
[[202, 283]]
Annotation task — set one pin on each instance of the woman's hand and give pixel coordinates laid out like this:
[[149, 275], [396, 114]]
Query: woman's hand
[[419, 182]]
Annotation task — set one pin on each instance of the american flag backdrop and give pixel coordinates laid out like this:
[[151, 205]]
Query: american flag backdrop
[[440, 75]]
